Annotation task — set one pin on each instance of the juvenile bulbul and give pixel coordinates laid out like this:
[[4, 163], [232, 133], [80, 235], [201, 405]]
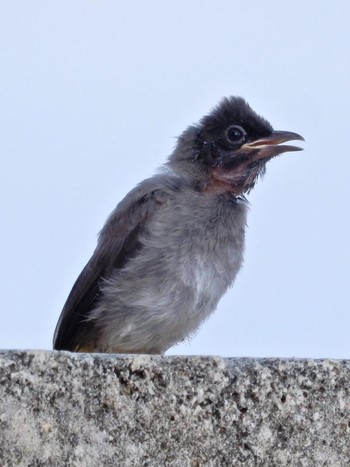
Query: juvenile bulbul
[[175, 243]]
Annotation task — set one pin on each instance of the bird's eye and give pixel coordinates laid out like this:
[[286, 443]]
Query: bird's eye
[[235, 134]]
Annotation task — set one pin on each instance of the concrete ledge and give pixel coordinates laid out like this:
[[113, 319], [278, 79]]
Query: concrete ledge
[[62, 409]]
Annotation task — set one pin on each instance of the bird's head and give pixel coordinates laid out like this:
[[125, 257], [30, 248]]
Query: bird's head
[[229, 148]]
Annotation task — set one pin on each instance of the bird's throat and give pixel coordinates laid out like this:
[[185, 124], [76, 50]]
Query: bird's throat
[[236, 180]]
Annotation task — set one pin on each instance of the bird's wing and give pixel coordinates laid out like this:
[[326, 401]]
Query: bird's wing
[[118, 240]]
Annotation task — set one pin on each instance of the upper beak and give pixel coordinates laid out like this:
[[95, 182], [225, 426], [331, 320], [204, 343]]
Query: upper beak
[[270, 146]]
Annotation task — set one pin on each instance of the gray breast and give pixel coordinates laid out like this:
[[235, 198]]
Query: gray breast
[[199, 242]]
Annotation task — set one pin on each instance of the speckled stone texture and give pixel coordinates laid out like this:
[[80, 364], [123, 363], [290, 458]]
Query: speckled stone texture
[[62, 409]]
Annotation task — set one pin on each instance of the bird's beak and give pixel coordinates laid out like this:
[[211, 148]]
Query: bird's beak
[[268, 147]]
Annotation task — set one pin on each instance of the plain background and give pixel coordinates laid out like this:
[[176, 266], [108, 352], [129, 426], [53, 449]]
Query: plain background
[[92, 96]]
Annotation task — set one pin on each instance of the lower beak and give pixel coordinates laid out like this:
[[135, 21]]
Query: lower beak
[[268, 147]]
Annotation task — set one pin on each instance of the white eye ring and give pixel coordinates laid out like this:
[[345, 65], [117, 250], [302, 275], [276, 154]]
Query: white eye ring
[[235, 134]]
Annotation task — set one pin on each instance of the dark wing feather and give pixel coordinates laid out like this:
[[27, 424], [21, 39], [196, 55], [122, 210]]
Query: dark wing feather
[[118, 241]]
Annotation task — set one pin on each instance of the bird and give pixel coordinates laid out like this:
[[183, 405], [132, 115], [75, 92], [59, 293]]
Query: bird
[[174, 245]]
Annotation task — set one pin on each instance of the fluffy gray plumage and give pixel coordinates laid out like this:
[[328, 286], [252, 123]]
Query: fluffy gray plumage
[[175, 243]]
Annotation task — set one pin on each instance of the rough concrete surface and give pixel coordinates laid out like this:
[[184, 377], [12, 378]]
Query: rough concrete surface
[[63, 409]]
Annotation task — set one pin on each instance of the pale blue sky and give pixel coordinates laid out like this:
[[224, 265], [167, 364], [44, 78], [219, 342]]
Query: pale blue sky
[[92, 95]]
